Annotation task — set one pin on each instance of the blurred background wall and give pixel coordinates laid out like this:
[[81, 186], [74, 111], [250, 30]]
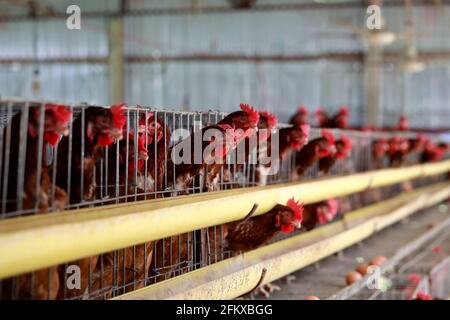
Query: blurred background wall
[[207, 54]]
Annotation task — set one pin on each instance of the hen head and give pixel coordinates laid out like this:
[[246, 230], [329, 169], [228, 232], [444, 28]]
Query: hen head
[[380, 147], [418, 143], [327, 211], [343, 147], [267, 120], [152, 126], [403, 123], [326, 146], [107, 125], [247, 119], [301, 116], [267, 123], [302, 110], [321, 116], [290, 219], [398, 144], [342, 117], [298, 136], [56, 122]]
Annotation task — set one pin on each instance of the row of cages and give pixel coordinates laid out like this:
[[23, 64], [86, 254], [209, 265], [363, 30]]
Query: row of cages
[[64, 157], [424, 274]]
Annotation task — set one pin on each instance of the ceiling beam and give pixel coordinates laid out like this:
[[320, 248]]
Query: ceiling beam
[[226, 9], [389, 56]]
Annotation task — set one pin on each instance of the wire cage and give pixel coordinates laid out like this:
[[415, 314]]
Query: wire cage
[[424, 269], [97, 155], [440, 279]]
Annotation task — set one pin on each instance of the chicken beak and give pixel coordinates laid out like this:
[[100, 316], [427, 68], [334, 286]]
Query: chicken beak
[[141, 128], [117, 134], [63, 130], [297, 224], [143, 156]]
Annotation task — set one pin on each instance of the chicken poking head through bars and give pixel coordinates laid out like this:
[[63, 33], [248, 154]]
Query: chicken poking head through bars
[[56, 123], [343, 147], [42, 284], [253, 232], [246, 120], [319, 213], [108, 127], [154, 129], [314, 151], [327, 211], [267, 122]]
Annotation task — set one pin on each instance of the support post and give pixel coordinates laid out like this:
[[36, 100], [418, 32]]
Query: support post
[[372, 85], [116, 60]]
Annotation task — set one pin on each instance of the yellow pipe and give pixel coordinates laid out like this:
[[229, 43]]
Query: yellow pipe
[[31, 243], [236, 276]]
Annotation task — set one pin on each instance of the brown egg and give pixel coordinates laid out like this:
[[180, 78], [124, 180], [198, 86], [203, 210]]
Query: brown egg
[[378, 261], [311, 298], [362, 269], [352, 277]]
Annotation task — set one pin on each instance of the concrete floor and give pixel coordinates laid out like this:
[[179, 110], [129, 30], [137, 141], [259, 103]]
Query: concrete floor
[[328, 276]]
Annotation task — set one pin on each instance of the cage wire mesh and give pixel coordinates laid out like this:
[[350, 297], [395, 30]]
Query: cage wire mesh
[[49, 164], [423, 270]]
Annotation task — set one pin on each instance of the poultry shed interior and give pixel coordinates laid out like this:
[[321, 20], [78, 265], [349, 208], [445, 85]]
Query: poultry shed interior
[[224, 149]]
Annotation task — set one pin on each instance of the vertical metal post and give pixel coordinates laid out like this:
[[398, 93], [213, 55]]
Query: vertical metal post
[[372, 85], [116, 60]]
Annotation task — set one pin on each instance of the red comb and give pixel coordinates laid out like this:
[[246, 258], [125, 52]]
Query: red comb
[[297, 207], [346, 141], [302, 110], [343, 110], [118, 115], [403, 123], [272, 119], [145, 118], [328, 135], [252, 114], [62, 113]]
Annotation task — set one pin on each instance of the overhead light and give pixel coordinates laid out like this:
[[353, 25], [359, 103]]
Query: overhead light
[[377, 38], [412, 66]]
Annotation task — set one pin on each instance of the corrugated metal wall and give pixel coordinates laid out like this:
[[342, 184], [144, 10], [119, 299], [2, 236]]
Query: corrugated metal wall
[[200, 85]]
